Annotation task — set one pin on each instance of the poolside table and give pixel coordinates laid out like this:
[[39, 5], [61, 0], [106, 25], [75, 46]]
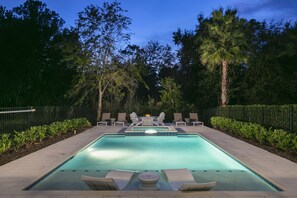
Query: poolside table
[[188, 121], [148, 181], [111, 121]]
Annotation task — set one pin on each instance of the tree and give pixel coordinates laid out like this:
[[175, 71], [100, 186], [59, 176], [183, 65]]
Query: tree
[[31, 71], [223, 42], [200, 88], [101, 31], [271, 75], [153, 61], [171, 95]]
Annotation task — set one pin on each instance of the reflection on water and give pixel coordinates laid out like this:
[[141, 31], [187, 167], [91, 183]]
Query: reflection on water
[[152, 152]]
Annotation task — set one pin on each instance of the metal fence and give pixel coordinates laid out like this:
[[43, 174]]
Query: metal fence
[[274, 116], [21, 118]]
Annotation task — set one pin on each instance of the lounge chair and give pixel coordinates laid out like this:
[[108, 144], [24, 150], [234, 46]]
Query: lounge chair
[[114, 180], [121, 119], [135, 120], [194, 119], [105, 119], [178, 119], [160, 119], [183, 180], [134, 114]]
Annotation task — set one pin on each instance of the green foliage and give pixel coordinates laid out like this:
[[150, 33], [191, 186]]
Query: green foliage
[[223, 43], [54, 129], [171, 95], [101, 30], [5, 142], [57, 128], [38, 133], [224, 38], [277, 138], [281, 140], [275, 116], [87, 59], [19, 139], [149, 64], [294, 144], [262, 135], [79, 123], [31, 37], [31, 135], [273, 53]]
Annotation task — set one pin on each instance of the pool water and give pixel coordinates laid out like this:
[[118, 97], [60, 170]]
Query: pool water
[[154, 153]]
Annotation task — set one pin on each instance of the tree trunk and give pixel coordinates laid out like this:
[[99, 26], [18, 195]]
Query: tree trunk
[[99, 105], [224, 88]]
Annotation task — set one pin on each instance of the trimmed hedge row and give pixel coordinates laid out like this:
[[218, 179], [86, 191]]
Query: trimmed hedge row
[[38, 133], [276, 116], [277, 138]]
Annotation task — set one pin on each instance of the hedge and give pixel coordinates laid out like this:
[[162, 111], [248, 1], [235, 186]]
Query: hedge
[[277, 138], [38, 133], [276, 116]]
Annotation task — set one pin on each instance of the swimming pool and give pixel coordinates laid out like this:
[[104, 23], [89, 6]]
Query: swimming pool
[[154, 153]]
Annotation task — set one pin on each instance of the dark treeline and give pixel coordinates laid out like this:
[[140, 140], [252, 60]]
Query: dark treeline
[[44, 63], [32, 70], [267, 77]]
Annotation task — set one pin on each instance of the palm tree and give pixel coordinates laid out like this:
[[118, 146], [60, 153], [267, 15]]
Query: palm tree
[[223, 43]]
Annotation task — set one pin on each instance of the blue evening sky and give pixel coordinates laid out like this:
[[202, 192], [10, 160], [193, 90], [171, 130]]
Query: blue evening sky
[[158, 19]]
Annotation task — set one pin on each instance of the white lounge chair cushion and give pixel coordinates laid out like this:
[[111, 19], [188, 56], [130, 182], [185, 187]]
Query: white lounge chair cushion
[[121, 178], [179, 175], [114, 180], [176, 185], [182, 179], [100, 183], [197, 186]]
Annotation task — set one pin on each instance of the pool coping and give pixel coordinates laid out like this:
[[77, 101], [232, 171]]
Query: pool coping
[[20, 173]]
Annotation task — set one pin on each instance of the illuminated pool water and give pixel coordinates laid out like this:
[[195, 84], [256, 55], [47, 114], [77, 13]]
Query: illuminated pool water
[[112, 152]]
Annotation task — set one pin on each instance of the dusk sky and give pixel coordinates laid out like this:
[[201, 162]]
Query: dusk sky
[[158, 19]]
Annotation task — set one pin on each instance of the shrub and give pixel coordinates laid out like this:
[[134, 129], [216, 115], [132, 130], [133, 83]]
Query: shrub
[[58, 128], [281, 140], [31, 135], [79, 123], [38, 133], [294, 144], [41, 132], [5, 142], [55, 128], [19, 139], [262, 135], [276, 116], [277, 138]]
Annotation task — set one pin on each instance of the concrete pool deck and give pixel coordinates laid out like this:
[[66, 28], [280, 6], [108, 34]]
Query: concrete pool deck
[[17, 175]]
